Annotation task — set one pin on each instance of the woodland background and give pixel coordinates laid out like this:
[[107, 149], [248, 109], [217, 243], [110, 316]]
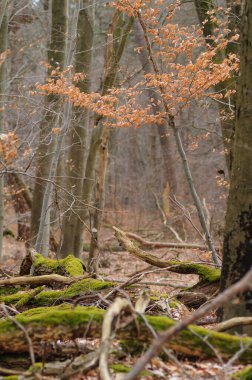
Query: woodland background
[[99, 101]]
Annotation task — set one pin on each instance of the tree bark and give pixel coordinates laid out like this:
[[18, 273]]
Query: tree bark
[[56, 59], [180, 148], [237, 247], [78, 133], [120, 29], [227, 124], [21, 208], [3, 87], [163, 130]]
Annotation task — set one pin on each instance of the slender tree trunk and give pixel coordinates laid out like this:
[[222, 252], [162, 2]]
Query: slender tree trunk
[[78, 133], [168, 159], [53, 105], [180, 148], [227, 124], [3, 87], [21, 208], [99, 201], [3, 9], [118, 33], [237, 248]]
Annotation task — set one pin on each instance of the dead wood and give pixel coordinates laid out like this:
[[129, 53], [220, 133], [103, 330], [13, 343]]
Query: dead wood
[[64, 323], [206, 272], [192, 299], [161, 244], [233, 322], [36, 280]]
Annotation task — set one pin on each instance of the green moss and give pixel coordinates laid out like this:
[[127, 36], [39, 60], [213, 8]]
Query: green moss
[[38, 366], [83, 286], [207, 273], [13, 298], [62, 315], [49, 297], [244, 374], [194, 336], [73, 321], [122, 368], [70, 266], [7, 290], [13, 377], [29, 296]]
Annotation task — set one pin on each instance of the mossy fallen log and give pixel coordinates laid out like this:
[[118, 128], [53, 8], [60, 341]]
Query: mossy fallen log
[[48, 324], [207, 273], [41, 297]]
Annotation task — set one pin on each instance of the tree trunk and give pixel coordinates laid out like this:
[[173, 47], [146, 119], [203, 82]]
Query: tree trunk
[[21, 208], [78, 132], [163, 131], [3, 86], [180, 148], [237, 248], [56, 58], [99, 201], [119, 31], [227, 124]]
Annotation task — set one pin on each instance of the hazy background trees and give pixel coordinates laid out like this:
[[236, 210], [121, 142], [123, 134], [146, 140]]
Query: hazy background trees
[[143, 171]]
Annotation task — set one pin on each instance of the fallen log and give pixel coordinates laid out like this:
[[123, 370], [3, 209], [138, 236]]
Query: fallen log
[[49, 324], [206, 272], [36, 280]]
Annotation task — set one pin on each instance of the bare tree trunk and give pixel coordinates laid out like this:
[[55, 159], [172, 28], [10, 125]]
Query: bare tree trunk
[[99, 201], [78, 132], [56, 58], [21, 208], [119, 31], [168, 159], [3, 86], [227, 124], [175, 130], [3, 9], [237, 248]]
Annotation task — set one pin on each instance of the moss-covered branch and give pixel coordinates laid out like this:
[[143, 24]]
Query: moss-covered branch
[[63, 322], [206, 273], [52, 297]]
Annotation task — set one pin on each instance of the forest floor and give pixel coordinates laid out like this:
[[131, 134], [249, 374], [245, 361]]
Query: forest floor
[[119, 266]]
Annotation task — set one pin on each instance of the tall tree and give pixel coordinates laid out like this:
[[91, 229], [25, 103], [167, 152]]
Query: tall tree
[[237, 249], [117, 38], [169, 176], [204, 9], [78, 131], [3, 85], [56, 59]]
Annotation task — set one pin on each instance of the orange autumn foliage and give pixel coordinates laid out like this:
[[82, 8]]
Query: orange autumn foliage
[[188, 70]]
